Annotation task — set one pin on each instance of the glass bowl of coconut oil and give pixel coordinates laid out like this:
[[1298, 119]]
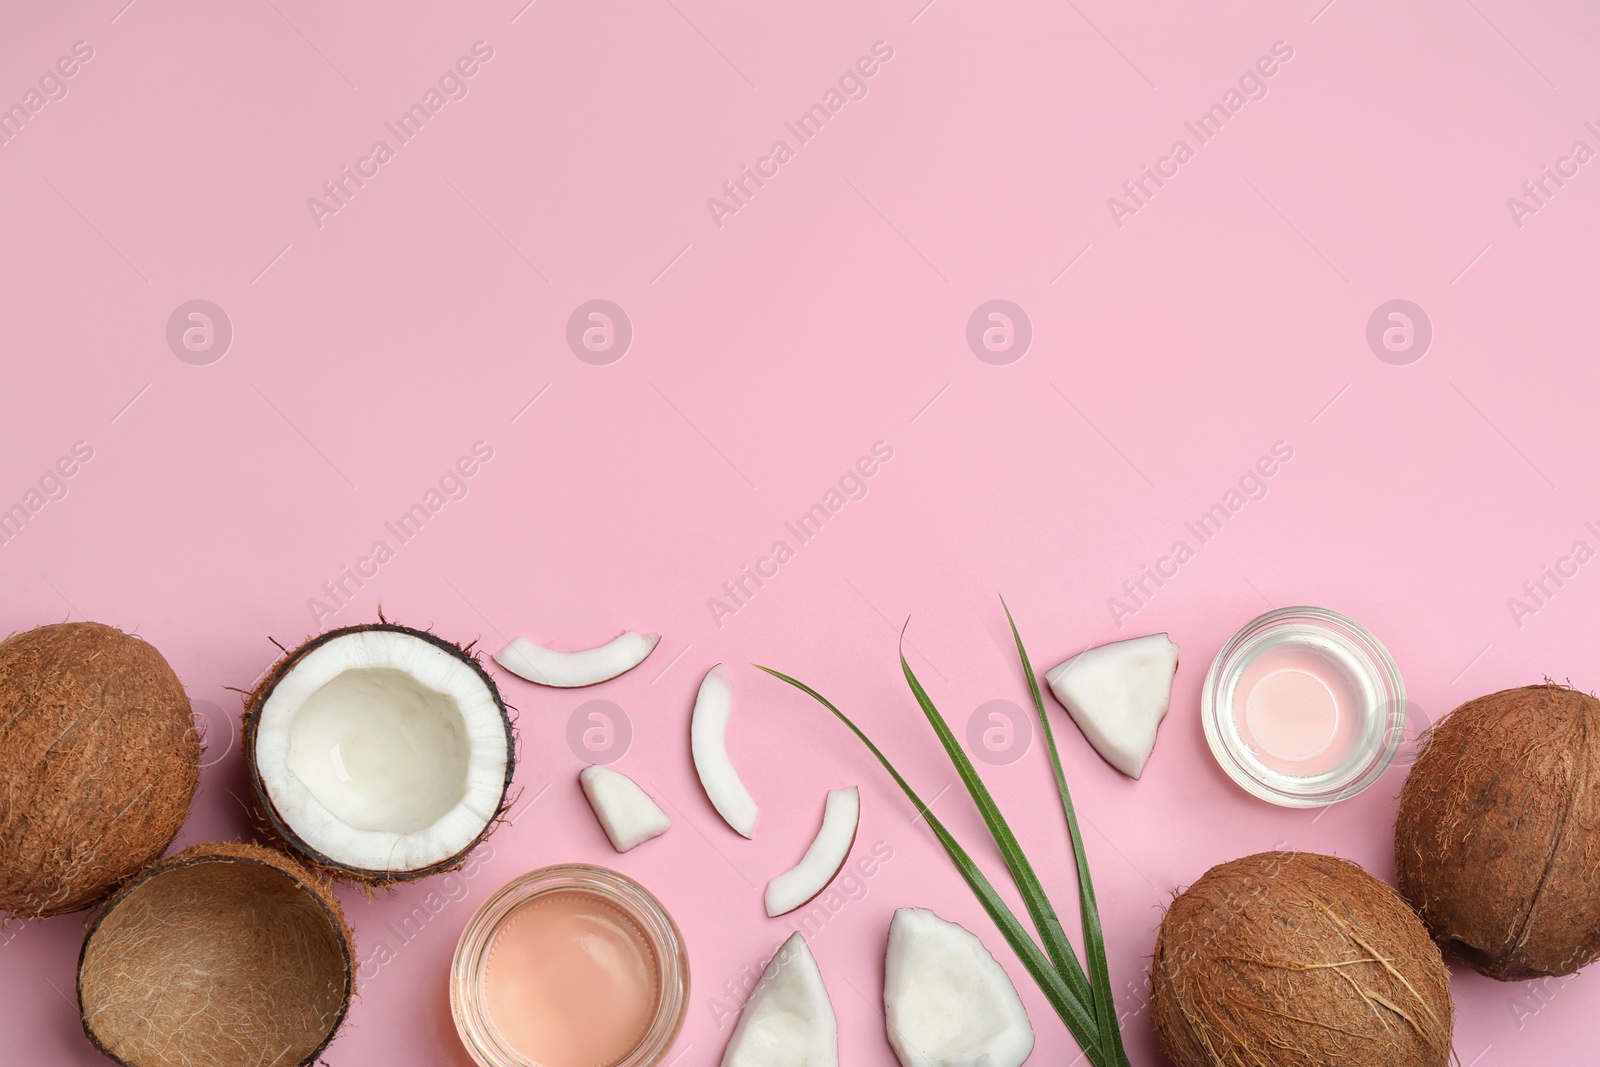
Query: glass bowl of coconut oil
[[1304, 707]]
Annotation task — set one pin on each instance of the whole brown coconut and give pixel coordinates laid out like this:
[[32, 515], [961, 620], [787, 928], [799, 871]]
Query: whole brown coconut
[[225, 955], [1497, 843], [1298, 960], [99, 760]]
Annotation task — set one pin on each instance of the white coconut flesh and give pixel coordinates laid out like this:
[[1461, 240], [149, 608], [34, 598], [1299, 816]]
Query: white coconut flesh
[[625, 811], [841, 814], [946, 1002], [708, 743], [382, 751], [571, 670], [788, 1020], [1118, 694]]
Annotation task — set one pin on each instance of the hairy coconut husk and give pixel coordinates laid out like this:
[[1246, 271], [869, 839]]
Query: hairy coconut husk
[[1293, 959], [1497, 842], [100, 759], [277, 829], [225, 955]]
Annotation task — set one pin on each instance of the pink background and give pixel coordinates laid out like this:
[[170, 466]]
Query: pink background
[[828, 313]]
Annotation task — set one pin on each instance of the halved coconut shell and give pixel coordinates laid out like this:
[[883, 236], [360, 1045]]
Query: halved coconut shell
[[100, 760], [379, 753], [225, 955]]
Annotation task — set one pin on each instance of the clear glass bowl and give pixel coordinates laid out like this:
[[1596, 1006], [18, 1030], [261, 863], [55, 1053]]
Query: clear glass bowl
[[1378, 712], [467, 1001]]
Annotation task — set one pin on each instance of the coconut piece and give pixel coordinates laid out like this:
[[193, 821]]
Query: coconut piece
[[626, 812], [570, 670], [708, 742], [1298, 960], [100, 758], [946, 1001], [379, 753], [800, 884], [225, 955], [1498, 830], [1118, 694], [788, 1020]]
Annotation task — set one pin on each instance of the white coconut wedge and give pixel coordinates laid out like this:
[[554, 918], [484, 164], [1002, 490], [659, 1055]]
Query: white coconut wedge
[[1118, 694], [708, 741], [626, 813], [379, 752], [946, 1002], [573, 670], [797, 886], [788, 1020]]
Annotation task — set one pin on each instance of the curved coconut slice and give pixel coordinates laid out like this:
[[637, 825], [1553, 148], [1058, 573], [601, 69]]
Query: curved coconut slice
[[225, 954], [797, 886], [379, 752], [626, 812], [788, 1020], [708, 741], [947, 1003], [1118, 694], [572, 670]]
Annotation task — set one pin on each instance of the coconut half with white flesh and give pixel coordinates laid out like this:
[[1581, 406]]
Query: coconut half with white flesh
[[379, 752], [800, 884], [946, 1001], [708, 743], [626, 813], [788, 1020], [1118, 694], [573, 670]]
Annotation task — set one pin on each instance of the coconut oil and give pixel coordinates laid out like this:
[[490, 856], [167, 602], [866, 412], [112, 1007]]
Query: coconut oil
[[1304, 707], [570, 966]]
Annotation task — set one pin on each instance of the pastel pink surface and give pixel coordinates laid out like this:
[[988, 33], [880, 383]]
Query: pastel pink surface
[[1169, 352]]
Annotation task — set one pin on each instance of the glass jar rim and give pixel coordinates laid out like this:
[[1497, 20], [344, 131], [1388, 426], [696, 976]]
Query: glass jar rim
[[473, 1024]]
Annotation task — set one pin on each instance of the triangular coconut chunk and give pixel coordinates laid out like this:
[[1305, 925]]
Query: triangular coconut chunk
[[1118, 694], [626, 813], [946, 1002], [788, 1020]]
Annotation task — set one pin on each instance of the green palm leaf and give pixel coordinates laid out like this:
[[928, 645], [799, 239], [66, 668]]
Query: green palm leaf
[[1073, 1008], [1093, 937], [1082, 1000]]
